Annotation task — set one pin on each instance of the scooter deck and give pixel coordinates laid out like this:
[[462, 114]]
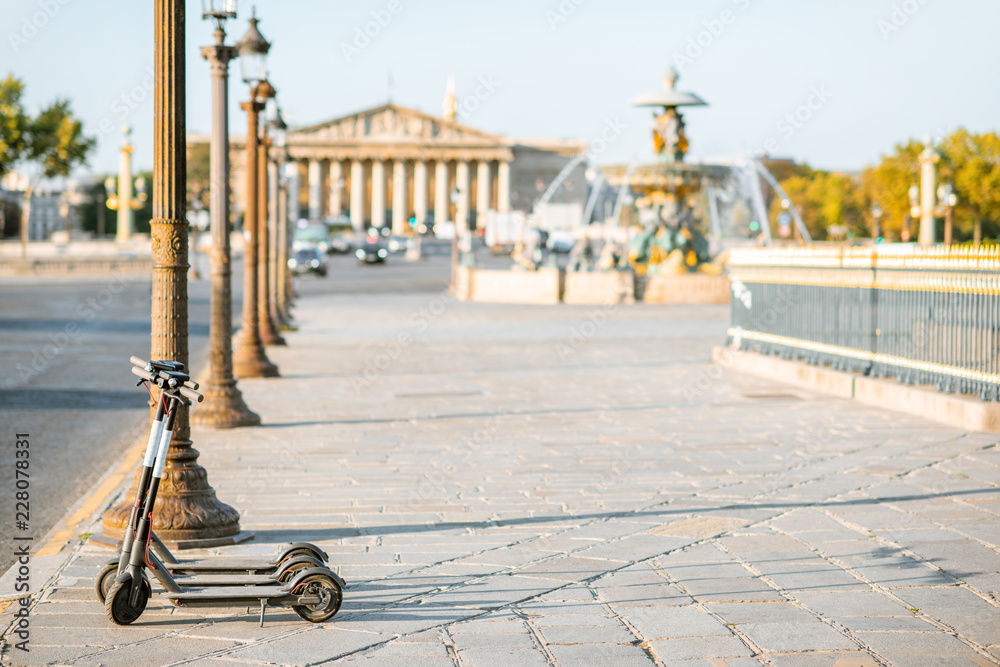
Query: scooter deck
[[240, 596], [223, 565], [201, 580]]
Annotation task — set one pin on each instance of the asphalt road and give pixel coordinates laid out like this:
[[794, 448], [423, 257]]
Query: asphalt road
[[65, 380]]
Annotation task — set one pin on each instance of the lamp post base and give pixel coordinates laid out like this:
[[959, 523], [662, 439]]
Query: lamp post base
[[269, 335], [250, 361], [186, 506], [224, 407]]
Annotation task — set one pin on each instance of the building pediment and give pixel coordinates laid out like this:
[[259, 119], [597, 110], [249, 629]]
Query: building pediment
[[394, 124]]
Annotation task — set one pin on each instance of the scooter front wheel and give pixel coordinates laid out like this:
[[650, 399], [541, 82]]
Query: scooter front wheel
[[118, 607], [330, 596], [105, 580]]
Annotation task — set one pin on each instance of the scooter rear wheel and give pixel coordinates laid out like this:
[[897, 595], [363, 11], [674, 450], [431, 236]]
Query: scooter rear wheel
[[105, 580], [287, 574], [330, 595], [302, 551], [117, 605]]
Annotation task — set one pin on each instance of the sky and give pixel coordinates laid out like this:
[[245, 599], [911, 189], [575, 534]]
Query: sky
[[833, 83]]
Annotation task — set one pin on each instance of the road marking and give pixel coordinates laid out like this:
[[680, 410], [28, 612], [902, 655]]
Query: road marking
[[100, 496]]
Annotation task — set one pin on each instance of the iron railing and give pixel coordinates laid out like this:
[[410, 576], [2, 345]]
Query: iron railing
[[921, 316]]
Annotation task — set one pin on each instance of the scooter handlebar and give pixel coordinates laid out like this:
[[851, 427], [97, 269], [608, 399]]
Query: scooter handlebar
[[138, 362], [191, 395], [139, 372]]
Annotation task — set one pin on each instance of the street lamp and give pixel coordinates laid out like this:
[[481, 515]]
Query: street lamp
[[928, 159], [121, 196], [190, 512], [250, 360], [946, 202], [279, 245], [265, 233], [223, 406], [877, 226]]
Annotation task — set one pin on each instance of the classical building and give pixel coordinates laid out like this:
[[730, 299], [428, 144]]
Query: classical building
[[386, 165]]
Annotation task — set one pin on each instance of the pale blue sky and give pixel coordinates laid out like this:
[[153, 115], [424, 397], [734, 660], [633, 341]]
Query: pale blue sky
[[562, 79]]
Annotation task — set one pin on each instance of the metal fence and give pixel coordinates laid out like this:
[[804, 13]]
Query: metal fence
[[922, 316]]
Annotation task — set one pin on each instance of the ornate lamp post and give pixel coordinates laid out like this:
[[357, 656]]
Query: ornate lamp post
[[223, 406], [928, 159], [279, 249], [946, 203], [120, 193], [268, 329], [189, 515], [250, 360]]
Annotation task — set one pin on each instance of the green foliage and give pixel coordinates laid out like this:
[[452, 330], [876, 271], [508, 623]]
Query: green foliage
[[970, 162], [199, 175], [823, 199], [53, 140], [13, 124]]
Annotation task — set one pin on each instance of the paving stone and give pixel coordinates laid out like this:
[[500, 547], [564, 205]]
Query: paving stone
[[601, 654], [580, 634], [930, 641], [670, 622], [479, 657], [796, 636], [497, 641], [699, 647]]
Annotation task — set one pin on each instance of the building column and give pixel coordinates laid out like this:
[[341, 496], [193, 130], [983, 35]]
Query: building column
[[420, 191], [378, 194], [294, 188], [441, 191], [336, 188], [462, 183], [358, 195], [484, 192], [399, 197], [503, 187], [315, 190]]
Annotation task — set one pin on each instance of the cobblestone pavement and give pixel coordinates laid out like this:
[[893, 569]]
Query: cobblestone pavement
[[508, 485]]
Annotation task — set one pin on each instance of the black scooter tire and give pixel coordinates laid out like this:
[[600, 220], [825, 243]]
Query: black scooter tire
[[331, 595], [117, 606], [105, 580]]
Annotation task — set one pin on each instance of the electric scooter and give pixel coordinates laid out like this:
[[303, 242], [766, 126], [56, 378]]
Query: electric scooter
[[211, 571], [213, 565], [314, 593]]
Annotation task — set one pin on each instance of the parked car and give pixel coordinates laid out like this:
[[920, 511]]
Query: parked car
[[371, 251], [308, 260]]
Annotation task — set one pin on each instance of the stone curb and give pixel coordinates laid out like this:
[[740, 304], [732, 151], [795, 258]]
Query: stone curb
[[955, 410]]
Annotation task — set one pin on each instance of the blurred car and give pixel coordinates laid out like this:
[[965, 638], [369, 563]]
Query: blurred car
[[311, 236], [340, 245], [561, 241], [397, 244], [308, 260], [371, 251]]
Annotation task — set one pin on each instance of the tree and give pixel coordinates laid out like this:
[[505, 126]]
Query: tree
[[974, 165], [199, 174], [53, 142], [13, 124], [823, 199]]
